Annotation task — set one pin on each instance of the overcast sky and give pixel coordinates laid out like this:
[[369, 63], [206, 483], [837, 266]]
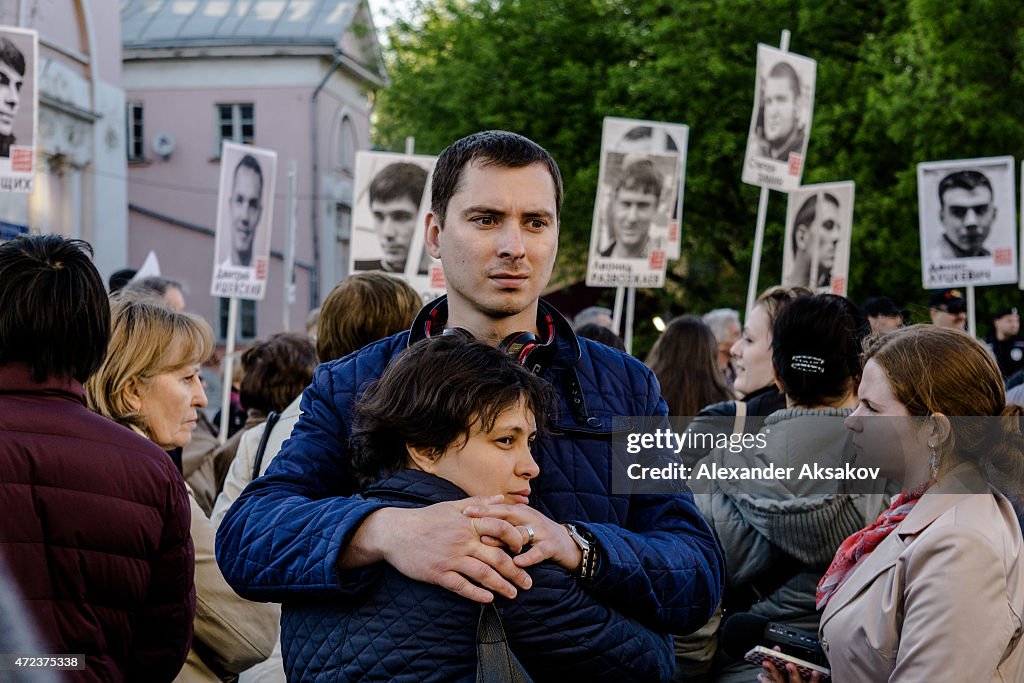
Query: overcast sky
[[385, 11]]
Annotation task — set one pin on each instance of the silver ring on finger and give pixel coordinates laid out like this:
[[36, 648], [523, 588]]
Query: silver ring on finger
[[529, 533]]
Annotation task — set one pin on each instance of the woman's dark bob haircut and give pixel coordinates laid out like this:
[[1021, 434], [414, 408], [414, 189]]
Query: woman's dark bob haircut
[[433, 396]]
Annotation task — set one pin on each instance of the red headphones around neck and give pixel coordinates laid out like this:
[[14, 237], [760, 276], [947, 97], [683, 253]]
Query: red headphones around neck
[[532, 351]]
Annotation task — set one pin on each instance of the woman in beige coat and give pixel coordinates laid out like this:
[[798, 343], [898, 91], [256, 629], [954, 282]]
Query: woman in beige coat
[[934, 589], [150, 383]]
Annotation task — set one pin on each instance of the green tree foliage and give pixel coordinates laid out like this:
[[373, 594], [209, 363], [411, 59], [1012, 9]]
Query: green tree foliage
[[899, 82]]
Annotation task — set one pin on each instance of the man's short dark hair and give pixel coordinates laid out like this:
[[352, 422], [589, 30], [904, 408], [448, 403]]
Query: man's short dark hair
[[397, 181], [55, 314], [964, 180], [488, 148], [11, 55], [647, 133], [640, 175], [432, 396], [120, 278], [807, 213], [602, 334], [249, 161], [786, 70]]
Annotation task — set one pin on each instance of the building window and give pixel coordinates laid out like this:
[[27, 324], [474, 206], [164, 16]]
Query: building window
[[235, 123], [246, 330], [346, 145], [136, 140]]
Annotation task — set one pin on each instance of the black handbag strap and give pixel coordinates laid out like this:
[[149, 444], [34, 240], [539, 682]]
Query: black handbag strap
[[495, 662], [261, 449]]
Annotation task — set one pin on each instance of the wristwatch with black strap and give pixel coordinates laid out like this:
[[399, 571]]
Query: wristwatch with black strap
[[588, 548]]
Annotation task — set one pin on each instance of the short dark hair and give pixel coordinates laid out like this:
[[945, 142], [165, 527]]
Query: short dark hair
[[807, 213], [432, 396], [120, 279], [964, 180], [275, 371], [11, 55], [55, 314], [602, 334], [816, 348], [640, 175], [399, 180], [249, 161], [786, 70], [489, 148]]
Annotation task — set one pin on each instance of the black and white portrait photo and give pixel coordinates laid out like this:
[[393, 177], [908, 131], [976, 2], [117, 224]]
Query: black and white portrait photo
[[636, 198], [18, 108], [391, 201], [780, 125], [968, 218], [635, 136], [816, 247], [244, 215]]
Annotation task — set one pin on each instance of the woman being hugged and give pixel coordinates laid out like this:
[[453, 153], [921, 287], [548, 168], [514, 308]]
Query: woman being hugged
[[452, 418]]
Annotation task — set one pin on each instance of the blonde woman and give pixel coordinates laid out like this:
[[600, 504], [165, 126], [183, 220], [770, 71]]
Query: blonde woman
[[150, 382]]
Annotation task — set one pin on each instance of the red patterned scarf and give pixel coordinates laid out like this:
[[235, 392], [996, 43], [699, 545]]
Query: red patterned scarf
[[858, 546]]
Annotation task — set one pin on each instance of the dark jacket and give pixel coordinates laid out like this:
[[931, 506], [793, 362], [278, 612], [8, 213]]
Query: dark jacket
[[95, 533], [659, 563], [405, 630]]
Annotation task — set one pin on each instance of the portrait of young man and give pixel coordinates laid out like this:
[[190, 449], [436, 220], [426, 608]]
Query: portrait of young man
[[245, 208], [12, 79], [634, 205], [780, 119], [968, 222], [818, 237], [19, 110], [781, 132], [244, 221], [395, 194], [494, 224], [967, 212]]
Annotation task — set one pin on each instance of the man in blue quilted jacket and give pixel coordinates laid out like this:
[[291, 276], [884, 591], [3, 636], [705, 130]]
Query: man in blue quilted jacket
[[301, 534]]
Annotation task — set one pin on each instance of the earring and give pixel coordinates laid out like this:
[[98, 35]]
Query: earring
[[934, 462]]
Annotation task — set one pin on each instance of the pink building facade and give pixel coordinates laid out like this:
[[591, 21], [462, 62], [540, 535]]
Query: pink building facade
[[79, 186], [295, 77]]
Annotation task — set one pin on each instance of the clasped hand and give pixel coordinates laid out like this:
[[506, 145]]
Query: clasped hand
[[463, 545]]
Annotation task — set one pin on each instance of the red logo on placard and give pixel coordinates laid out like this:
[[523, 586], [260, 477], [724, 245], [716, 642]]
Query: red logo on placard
[[839, 286], [261, 269], [673, 231], [436, 277], [796, 161], [657, 259], [1003, 256], [21, 159]]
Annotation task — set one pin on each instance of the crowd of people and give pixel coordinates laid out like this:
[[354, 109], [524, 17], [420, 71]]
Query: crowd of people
[[432, 493]]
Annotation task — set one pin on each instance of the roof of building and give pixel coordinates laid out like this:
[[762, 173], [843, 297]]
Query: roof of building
[[187, 23]]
